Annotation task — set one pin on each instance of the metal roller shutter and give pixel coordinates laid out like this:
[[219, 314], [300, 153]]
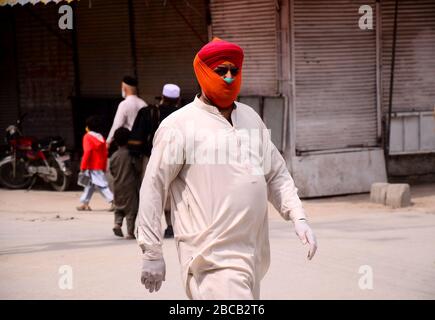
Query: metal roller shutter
[[414, 73], [8, 78], [253, 25], [45, 71], [335, 74], [104, 47], [168, 35]]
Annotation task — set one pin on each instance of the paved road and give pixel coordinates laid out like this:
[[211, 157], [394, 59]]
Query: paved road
[[40, 231]]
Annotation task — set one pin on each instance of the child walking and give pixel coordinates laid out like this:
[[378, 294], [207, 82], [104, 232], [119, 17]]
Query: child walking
[[125, 181], [94, 163]]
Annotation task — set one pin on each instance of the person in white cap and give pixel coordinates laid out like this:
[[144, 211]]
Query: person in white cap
[[144, 128], [168, 104], [171, 91], [147, 121], [169, 101]]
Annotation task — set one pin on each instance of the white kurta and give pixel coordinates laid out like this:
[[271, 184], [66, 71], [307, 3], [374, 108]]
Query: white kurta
[[126, 114], [219, 207]]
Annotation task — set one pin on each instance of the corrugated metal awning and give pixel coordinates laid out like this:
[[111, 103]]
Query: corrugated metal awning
[[23, 2]]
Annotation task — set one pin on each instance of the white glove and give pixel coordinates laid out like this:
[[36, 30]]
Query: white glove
[[153, 273], [306, 235]]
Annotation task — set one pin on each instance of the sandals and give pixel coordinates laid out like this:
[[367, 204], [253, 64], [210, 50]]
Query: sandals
[[84, 207]]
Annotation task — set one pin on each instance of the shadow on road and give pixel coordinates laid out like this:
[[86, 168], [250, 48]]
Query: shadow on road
[[65, 245]]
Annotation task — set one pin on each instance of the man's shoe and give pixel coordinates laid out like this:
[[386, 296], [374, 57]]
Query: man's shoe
[[130, 237], [118, 231], [169, 232], [112, 207]]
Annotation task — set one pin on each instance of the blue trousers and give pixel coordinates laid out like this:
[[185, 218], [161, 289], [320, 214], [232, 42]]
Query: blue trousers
[[89, 191]]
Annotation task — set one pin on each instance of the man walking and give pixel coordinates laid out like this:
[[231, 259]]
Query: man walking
[[128, 108], [124, 184], [216, 160]]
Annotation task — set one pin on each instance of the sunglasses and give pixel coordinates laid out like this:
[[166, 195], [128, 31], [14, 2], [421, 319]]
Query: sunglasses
[[221, 71]]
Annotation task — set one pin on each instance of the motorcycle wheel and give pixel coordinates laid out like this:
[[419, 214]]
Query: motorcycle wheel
[[63, 181], [21, 179]]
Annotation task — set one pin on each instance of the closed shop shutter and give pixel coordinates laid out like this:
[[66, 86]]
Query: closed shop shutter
[[168, 35], [104, 47], [252, 24], [335, 74], [414, 73], [8, 78], [45, 71]]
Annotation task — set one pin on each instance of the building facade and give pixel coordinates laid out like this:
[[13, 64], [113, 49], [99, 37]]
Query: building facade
[[320, 81]]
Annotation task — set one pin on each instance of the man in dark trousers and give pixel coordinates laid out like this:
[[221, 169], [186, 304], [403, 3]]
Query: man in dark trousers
[[147, 121], [124, 177]]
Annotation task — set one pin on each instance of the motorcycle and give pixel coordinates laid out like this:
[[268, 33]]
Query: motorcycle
[[27, 158]]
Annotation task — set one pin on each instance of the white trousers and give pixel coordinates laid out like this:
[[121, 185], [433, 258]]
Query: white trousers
[[223, 284], [89, 191]]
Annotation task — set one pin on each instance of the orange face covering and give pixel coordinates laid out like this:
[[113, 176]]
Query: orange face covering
[[219, 92]]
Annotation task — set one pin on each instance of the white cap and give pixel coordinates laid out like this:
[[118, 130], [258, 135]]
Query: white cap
[[171, 90]]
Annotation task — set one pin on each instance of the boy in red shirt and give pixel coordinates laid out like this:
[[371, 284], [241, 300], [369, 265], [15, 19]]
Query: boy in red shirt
[[94, 163]]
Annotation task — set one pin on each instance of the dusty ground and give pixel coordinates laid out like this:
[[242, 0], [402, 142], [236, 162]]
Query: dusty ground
[[40, 231]]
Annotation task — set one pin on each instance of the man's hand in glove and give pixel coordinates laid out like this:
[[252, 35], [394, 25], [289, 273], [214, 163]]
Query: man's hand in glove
[[306, 235], [153, 273]]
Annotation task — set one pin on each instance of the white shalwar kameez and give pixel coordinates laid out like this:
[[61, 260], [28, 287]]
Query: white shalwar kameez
[[126, 114], [219, 206]]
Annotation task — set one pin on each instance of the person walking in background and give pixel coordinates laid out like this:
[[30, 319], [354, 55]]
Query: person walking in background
[[128, 108], [169, 100], [168, 103], [94, 163], [147, 121], [125, 181]]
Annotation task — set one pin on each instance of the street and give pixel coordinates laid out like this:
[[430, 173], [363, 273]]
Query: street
[[40, 231]]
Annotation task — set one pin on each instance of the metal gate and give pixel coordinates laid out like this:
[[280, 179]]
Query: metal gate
[[335, 74]]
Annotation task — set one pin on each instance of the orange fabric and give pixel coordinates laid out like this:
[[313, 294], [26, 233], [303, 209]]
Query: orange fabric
[[215, 88]]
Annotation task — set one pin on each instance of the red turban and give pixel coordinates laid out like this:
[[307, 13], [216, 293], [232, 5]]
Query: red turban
[[217, 51], [214, 53]]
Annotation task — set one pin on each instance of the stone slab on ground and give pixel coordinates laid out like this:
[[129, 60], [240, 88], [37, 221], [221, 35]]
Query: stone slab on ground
[[398, 195], [378, 192]]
